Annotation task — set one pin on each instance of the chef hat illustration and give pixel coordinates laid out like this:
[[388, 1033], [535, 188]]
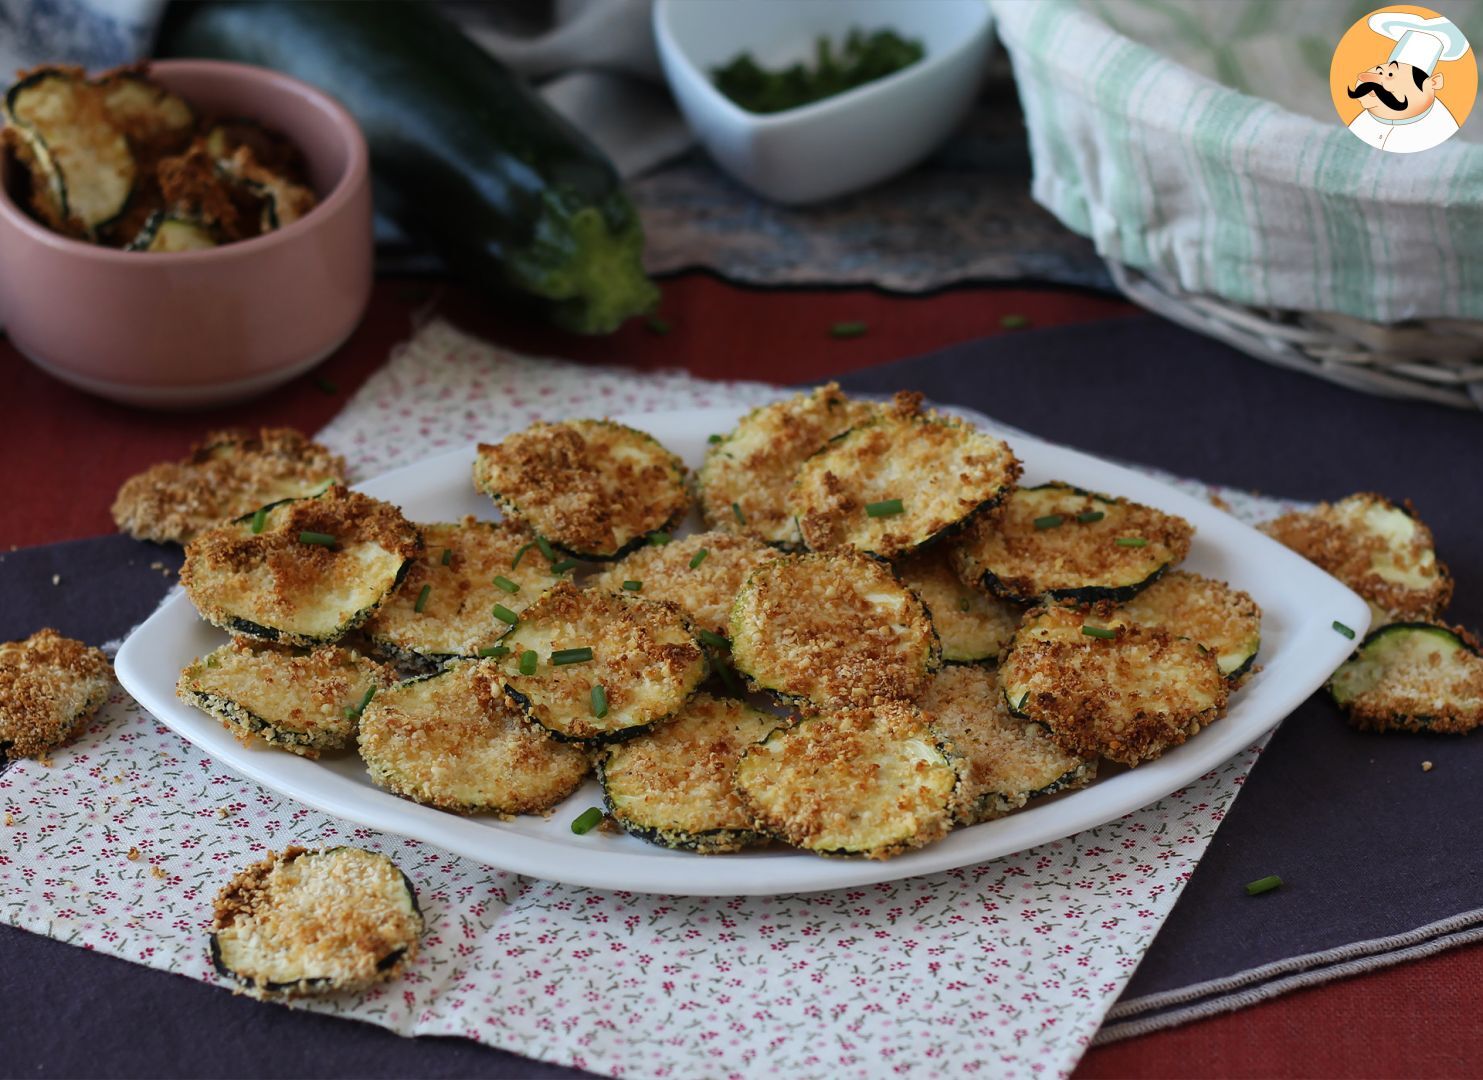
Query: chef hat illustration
[[1420, 42]]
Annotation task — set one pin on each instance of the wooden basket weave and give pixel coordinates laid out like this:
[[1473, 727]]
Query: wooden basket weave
[[1438, 360]]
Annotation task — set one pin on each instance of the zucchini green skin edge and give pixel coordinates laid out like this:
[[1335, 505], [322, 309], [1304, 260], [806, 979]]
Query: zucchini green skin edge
[[465, 155], [1398, 628], [702, 843]]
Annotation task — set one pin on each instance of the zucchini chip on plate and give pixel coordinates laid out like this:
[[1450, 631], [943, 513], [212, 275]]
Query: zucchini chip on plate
[[1104, 687], [894, 483], [673, 785], [1224, 620], [832, 628], [228, 474], [1060, 542], [1380, 550], [442, 607], [702, 573], [1002, 761], [49, 686], [302, 702], [748, 474], [300, 572], [972, 625], [1413, 677], [315, 922], [593, 488], [595, 666], [872, 782], [451, 740]]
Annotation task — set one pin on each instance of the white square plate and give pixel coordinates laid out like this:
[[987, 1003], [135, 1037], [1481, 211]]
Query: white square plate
[[1300, 649]]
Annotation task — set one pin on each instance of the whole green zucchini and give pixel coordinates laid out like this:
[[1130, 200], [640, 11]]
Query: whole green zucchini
[[466, 157]]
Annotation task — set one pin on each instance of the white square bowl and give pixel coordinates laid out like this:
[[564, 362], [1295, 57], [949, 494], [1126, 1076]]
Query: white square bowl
[[842, 143]]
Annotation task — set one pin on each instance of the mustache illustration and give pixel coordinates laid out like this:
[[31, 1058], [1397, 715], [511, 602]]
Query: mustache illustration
[[1389, 100]]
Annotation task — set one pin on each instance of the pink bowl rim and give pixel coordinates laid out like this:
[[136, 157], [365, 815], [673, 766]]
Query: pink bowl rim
[[356, 169]]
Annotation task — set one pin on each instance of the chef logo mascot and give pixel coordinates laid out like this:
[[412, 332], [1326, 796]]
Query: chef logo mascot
[[1402, 112]]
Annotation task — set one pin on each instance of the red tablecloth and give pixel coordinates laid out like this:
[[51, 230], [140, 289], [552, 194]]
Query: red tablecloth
[[69, 452]]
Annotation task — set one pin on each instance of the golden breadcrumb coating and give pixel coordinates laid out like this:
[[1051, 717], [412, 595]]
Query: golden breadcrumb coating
[[1226, 621], [49, 686], [705, 591], [972, 624], [228, 474], [1413, 677]]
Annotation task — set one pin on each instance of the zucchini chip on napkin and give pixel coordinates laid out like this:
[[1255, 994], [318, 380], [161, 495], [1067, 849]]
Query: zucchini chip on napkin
[[593, 488], [451, 740], [315, 922], [300, 572], [832, 628], [672, 785], [1224, 620], [1104, 687], [49, 686], [299, 701], [1413, 677], [748, 474], [894, 483], [1002, 761], [872, 782], [702, 573], [1060, 542], [228, 474], [595, 666], [442, 607], [1382, 551], [972, 625]]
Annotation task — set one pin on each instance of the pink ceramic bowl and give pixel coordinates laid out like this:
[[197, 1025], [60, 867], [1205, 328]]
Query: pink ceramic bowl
[[203, 327]]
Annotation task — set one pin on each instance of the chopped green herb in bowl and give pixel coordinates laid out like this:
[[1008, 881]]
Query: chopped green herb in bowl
[[864, 57]]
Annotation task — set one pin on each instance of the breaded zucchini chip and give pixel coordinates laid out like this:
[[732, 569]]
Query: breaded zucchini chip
[[873, 782], [593, 488], [1382, 551], [442, 606], [1226, 621], [301, 572], [833, 628], [453, 741], [1104, 687], [748, 475], [1413, 677], [702, 573], [305, 923], [595, 666], [1063, 543], [153, 120], [228, 474], [673, 785], [299, 701], [49, 686], [897, 482], [1002, 760], [972, 625]]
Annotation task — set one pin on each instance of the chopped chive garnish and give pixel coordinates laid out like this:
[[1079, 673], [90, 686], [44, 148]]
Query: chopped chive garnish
[[736, 511], [422, 599], [1023, 698], [491, 651], [714, 439], [504, 614], [599, 701], [847, 329], [546, 549], [698, 557], [528, 661], [586, 821], [884, 508], [1131, 541], [370, 693], [1261, 885], [659, 537], [212, 661], [633, 586], [1050, 521], [506, 584], [657, 325], [964, 604], [259, 519], [1086, 517], [325, 386], [322, 539], [447, 556], [714, 640], [729, 679], [1099, 631], [1346, 631], [559, 568], [571, 656], [1014, 322], [515, 562]]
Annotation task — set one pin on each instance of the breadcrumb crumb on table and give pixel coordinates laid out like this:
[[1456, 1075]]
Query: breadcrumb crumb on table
[[49, 686]]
